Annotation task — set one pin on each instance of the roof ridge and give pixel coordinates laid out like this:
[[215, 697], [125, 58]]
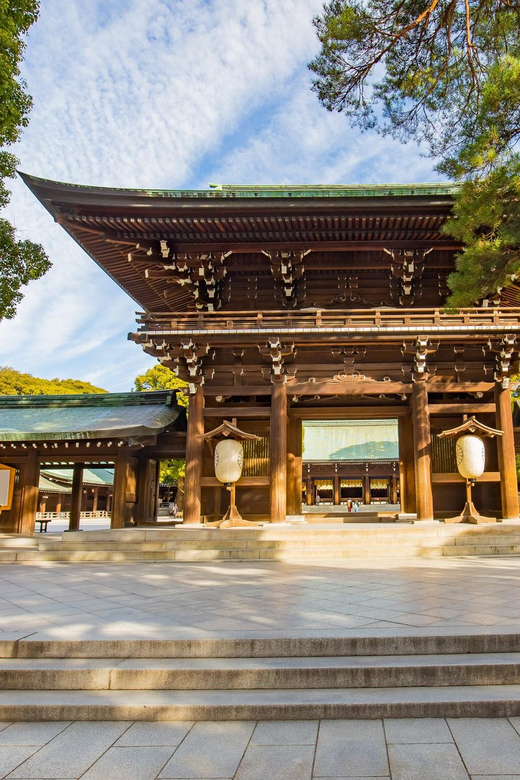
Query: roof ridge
[[146, 398]]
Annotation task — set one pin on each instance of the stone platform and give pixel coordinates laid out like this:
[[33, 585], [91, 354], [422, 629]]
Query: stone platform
[[317, 542], [371, 639]]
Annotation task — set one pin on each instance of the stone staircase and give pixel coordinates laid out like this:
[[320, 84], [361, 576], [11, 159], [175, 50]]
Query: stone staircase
[[282, 543], [265, 678]]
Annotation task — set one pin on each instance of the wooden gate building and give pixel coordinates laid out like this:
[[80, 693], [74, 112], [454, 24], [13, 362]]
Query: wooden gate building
[[284, 304]]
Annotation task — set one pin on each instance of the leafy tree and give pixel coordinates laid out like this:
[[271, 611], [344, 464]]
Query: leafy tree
[[15, 383], [447, 74], [20, 261], [161, 378], [172, 472]]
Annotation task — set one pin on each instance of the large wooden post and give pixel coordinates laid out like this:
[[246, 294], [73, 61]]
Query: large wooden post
[[506, 453], [294, 467], [335, 490], [125, 490], [147, 481], [194, 452], [278, 451], [421, 437], [76, 498], [29, 494], [406, 466]]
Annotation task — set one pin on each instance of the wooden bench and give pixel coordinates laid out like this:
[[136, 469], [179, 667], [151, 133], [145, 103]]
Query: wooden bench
[[43, 524]]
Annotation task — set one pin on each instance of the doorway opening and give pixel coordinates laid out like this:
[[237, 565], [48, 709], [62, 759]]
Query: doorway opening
[[351, 464]]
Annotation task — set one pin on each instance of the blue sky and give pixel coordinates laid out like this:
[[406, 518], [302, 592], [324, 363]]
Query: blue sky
[[164, 94]]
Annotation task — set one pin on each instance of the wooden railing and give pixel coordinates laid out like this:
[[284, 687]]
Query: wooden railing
[[65, 515], [351, 319]]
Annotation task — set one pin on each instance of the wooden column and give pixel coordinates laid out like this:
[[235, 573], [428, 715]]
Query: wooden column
[[336, 490], [294, 466], [125, 489], [406, 465], [310, 497], [421, 437], [95, 497], [147, 479], [366, 489], [29, 494], [506, 453], [194, 452], [394, 489], [77, 496], [278, 451]]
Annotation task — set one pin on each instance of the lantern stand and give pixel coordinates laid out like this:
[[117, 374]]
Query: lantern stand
[[232, 518], [471, 426]]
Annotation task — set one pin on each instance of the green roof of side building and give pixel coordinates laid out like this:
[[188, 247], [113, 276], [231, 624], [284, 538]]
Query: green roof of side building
[[89, 416]]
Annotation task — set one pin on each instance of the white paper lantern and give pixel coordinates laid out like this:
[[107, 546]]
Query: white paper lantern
[[229, 457], [471, 456]]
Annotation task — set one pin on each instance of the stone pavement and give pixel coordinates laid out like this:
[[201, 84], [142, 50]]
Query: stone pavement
[[184, 600], [425, 749]]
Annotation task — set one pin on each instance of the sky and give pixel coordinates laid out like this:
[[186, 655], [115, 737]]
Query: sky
[[164, 94]]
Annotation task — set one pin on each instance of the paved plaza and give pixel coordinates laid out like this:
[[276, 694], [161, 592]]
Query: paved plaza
[[398, 749], [180, 600], [183, 600]]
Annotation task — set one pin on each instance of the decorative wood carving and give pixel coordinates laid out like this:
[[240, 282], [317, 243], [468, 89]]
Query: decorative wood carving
[[288, 270], [406, 270]]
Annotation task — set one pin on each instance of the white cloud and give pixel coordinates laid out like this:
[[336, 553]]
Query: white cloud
[[163, 93]]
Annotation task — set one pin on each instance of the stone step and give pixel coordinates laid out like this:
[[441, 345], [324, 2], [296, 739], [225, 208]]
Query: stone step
[[8, 541], [262, 673], [252, 554], [407, 702], [224, 542], [400, 642]]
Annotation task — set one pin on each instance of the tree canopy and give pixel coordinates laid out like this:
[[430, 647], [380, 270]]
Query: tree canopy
[[13, 382], [445, 73], [159, 377], [20, 261]]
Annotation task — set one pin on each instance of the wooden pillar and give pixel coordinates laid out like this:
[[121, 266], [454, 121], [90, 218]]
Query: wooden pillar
[[278, 452], [366, 489], [77, 496], [29, 494], [125, 489], [421, 437], [336, 490], [95, 499], [406, 465], [145, 510], [194, 452], [217, 499], [294, 466], [310, 497], [506, 453], [394, 489]]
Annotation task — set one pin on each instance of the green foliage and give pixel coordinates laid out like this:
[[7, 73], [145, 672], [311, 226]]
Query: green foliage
[[487, 222], [20, 261], [445, 73], [15, 383], [413, 69], [161, 378], [170, 471]]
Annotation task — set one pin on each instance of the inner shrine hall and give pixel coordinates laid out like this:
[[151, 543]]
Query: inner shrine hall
[[286, 306]]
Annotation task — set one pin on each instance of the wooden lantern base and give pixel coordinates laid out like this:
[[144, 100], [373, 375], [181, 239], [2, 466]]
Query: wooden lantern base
[[232, 518], [470, 515]]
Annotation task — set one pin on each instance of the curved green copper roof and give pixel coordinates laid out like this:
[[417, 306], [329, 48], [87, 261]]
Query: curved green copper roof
[[230, 191]]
